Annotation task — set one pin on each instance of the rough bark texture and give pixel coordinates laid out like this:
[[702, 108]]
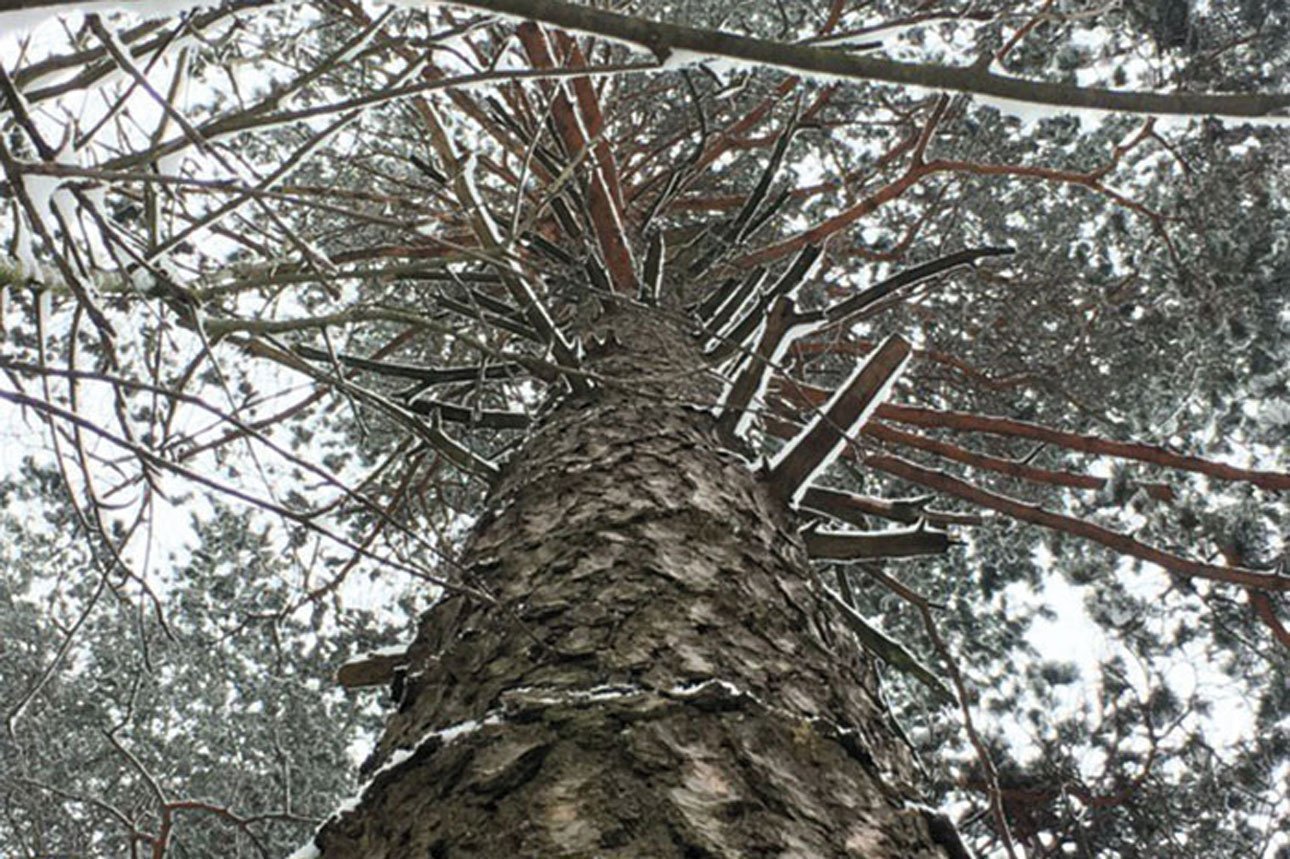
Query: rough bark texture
[[660, 676]]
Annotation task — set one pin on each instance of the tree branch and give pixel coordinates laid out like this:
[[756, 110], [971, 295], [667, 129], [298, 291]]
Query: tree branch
[[869, 545], [967, 422], [662, 38], [1033, 513], [793, 469]]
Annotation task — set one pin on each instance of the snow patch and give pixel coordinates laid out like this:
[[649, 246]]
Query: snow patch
[[306, 851], [680, 58], [604, 692], [882, 532], [1030, 114], [398, 758], [392, 650], [28, 19], [690, 690]]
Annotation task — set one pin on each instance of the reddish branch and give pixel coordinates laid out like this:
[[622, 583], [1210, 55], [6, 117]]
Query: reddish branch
[[1266, 612], [803, 348], [820, 232], [1091, 180], [835, 15], [1022, 32], [966, 422], [920, 167], [593, 120], [734, 201], [807, 395], [579, 127], [812, 396], [916, 172], [1033, 513], [1010, 467], [724, 140]]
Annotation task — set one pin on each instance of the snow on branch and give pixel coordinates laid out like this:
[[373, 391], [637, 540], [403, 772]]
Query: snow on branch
[[846, 310], [427, 431], [376, 668], [733, 338], [856, 509], [567, 352], [24, 14], [755, 210], [865, 545], [889, 650], [662, 38], [722, 305], [652, 278], [488, 310], [38, 206], [777, 335], [580, 126], [475, 417], [743, 224], [794, 468]]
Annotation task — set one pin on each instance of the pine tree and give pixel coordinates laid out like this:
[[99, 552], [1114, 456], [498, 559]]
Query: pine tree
[[597, 357]]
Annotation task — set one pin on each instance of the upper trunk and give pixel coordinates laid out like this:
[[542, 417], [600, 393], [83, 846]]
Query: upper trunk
[[659, 675]]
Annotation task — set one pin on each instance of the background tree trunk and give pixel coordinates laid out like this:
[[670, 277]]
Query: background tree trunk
[[659, 677]]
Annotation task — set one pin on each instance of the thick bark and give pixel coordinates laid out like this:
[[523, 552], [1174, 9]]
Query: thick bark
[[660, 676]]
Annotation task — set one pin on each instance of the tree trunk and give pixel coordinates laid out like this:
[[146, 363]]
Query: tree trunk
[[659, 676]]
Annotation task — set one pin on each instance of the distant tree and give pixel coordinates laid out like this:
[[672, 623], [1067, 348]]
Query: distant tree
[[214, 721], [685, 398]]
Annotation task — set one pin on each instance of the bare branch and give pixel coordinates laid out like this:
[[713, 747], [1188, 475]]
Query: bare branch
[[815, 447], [892, 652], [662, 38], [869, 545], [1122, 543], [844, 311], [855, 509]]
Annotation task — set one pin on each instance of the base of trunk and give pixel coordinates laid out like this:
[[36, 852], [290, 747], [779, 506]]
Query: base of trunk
[[704, 771]]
